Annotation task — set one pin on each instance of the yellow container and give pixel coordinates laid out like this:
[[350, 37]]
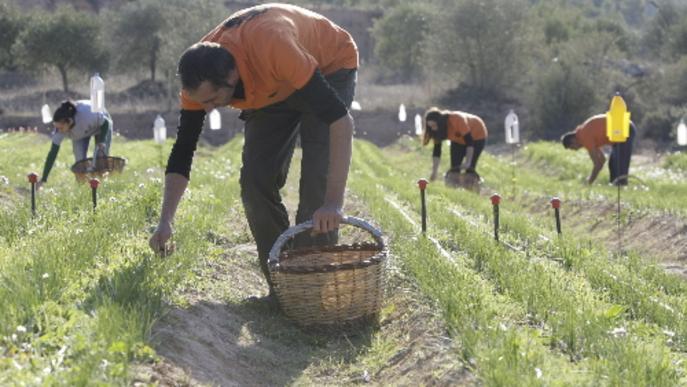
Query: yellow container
[[618, 120]]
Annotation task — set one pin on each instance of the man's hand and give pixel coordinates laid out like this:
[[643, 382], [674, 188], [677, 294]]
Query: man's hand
[[158, 242], [327, 218], [39, 184]]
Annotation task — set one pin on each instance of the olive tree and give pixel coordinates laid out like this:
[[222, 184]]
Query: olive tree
[[67, 40], [479, 42], [138, 35], [399, 36], [11, 25]]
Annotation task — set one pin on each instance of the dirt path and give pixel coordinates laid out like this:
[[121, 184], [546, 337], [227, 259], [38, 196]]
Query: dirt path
[[219, 338]]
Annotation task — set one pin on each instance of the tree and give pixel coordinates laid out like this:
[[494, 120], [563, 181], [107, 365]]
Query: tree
[[658, 33], [399, 38], [67, 39], [479, 41], [561, 98], [138, 34], [11, 25]]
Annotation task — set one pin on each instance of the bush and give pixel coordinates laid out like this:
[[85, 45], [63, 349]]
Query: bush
[[675, 83], [562, 98], [658, 126]]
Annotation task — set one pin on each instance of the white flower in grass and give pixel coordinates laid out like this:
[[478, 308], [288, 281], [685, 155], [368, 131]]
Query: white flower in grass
[[538, 372], [4, 180], [21, 329], [619, 332], [141, 185], [47, 370], [366, 377], [45, 276]]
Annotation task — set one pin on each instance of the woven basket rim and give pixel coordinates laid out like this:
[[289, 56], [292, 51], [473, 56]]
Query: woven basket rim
[[90, 159], [115, 164], [379, 257]]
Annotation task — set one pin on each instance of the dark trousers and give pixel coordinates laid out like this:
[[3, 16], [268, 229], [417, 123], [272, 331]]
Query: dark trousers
[[458, 152], [619, 162], [271, 134]]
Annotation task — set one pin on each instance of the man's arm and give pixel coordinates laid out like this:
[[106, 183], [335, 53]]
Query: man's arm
[[340, 150], [177, 174], [328, 107], [598, 160]]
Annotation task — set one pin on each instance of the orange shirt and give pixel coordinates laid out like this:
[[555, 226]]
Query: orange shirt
[[277, 48], [592, 133], [461, 123]]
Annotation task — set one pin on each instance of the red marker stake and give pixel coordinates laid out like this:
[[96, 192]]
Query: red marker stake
[[94, 190], [495, 201], [556, 205], [33, 179], [422, 183]]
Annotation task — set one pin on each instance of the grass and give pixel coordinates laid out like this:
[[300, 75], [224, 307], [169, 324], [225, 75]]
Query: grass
[[570, 299], [564, 171], [676, 161], [80, 290]]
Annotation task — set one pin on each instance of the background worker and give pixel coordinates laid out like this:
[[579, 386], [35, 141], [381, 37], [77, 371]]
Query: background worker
[[462, 129], [76, 121], [292, 72], [591, 135]]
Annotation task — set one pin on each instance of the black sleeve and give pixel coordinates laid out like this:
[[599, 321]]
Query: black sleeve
[[188, 132], [436, 152], [468, 139], [323, 99]]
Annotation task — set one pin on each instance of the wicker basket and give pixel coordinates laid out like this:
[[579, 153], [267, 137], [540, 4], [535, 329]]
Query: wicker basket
[[329, 285], [85, 169]]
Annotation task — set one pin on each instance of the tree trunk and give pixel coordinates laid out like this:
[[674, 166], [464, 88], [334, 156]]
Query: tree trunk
[[153, 59], [65, 82]]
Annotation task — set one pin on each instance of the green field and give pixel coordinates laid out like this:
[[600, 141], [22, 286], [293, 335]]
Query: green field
[[83, 298]]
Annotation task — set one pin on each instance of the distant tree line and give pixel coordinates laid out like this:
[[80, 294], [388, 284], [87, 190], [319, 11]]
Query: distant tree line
[[141, 36], [561, 60]]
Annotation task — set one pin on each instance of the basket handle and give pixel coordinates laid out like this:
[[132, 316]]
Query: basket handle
[[297, 229]]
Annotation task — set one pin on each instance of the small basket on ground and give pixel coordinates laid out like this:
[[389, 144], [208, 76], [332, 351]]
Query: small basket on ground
[[86, 169], [329, 285]]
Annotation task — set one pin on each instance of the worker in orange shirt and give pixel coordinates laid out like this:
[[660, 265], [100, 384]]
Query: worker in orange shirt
[[463, 130], [591, 135], [292, 72]]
